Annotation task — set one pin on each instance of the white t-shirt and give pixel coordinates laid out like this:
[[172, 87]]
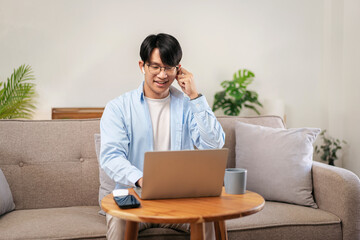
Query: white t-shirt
[[160, 119]]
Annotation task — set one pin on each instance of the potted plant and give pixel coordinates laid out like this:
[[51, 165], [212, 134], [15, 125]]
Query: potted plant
[[235, 95], [329, 148], [17, 94]]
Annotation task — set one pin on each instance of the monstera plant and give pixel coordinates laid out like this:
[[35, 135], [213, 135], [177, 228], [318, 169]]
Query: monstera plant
[[17, 94], [236, 96]]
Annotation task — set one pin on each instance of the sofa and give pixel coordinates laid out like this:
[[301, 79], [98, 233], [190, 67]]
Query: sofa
[[53, 174]]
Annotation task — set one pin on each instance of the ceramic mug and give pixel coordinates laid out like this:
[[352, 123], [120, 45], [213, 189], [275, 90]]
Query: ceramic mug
[[235, 180]]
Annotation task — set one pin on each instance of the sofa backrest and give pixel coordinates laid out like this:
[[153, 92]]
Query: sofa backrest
[[52, 163], [228, 125]]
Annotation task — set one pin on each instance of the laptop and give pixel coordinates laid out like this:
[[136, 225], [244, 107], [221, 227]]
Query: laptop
[[183, 174]]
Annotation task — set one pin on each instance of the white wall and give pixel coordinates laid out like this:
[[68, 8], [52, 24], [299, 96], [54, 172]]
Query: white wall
[[341, 76], [85, 53], [350, 83]]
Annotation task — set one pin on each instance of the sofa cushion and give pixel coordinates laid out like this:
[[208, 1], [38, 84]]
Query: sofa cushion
[[107, 185], [53, 223], [286, 221], [228, 125], [50, 163], [6, 199], [278, 161]]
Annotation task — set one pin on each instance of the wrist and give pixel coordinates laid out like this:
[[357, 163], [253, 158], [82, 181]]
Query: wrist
[[137, 184], [195, 96]]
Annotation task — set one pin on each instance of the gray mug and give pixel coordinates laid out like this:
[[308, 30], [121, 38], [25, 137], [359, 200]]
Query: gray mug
[[235, 180]]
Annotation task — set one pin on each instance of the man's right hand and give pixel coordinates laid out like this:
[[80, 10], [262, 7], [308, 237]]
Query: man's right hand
[[139, 182]]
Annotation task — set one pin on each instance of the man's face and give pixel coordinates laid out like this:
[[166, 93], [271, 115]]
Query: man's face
[[157, 85]]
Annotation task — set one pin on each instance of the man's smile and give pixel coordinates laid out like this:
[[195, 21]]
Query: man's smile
[[161, 82]]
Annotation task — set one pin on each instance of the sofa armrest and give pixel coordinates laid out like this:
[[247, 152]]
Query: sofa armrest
[[337, 190]]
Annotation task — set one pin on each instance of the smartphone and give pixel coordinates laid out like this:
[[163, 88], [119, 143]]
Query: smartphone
[[128, 201]]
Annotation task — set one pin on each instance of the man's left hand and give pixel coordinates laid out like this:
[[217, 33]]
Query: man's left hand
[[186, 82]]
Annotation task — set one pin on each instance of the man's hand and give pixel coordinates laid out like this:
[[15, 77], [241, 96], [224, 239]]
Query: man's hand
[[186, 82], [139, 182]]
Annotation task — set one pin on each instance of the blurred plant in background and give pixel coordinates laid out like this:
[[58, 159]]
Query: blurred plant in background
[[17, 94], [329, 148], [236, 96]]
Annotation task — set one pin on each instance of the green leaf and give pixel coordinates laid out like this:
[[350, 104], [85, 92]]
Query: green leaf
[[252, 107], [17, 95], [329, 148], [235, 95]]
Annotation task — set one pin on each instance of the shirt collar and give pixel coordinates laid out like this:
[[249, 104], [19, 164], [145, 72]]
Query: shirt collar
[[140, 91]]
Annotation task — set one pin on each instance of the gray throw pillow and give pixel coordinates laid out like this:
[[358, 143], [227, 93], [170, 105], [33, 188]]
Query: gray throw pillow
[[107, 185], [278, 161], [6, 199]]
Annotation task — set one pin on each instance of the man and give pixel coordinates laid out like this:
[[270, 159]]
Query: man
[[155, 117]]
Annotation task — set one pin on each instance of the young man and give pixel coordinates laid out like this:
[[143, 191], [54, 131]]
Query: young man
[[155, 117]]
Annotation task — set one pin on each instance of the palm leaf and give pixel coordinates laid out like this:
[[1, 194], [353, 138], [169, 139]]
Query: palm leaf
[[17, 94]]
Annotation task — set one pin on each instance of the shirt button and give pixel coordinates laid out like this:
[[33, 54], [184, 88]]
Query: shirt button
[[81, 160], [21, 164]]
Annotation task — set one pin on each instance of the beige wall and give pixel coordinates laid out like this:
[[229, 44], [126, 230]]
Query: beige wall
[[85, 53], [341, 76], [350, 83]]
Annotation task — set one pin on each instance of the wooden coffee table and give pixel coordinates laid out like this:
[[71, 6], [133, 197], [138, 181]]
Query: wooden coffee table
[[195, 211]]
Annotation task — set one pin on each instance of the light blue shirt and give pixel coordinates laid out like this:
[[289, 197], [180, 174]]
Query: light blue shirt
[[126, 132]]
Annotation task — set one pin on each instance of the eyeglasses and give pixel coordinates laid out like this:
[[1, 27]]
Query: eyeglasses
[[155, 69]]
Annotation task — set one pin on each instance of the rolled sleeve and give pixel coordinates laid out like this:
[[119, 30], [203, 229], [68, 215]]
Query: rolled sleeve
[[206, 131], [199, 105], [134, 177]]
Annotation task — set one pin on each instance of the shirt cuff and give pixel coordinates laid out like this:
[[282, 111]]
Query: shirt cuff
[[199, 104], [134, 177]]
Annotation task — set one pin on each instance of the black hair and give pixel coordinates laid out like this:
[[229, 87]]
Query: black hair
[[169, 47]]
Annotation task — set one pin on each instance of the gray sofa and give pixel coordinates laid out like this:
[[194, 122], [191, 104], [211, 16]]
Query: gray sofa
[[53, 174]]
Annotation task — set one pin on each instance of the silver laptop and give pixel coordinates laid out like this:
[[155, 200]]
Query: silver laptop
[[183, 174]]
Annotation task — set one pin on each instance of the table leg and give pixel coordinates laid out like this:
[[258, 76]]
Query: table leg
[[220, 230], [197, 231], [131, 230]]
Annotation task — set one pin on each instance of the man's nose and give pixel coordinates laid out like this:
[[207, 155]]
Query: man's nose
[[162, 73]]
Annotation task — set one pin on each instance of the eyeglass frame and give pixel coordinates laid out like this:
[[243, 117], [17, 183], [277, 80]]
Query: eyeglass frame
[[165, 68]]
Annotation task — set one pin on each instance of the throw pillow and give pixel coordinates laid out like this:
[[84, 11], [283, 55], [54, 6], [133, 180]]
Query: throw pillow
[[6, 198], [278, 161], [107, 185]]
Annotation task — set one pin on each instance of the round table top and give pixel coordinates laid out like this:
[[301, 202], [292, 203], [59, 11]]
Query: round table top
[[187, 210]]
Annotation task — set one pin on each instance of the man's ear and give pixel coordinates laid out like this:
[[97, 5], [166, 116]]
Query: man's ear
[[142, 66], [178, 70]]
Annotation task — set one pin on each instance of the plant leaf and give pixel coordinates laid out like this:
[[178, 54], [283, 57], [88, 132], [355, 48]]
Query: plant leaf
[[17, 94], [235, 95]]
